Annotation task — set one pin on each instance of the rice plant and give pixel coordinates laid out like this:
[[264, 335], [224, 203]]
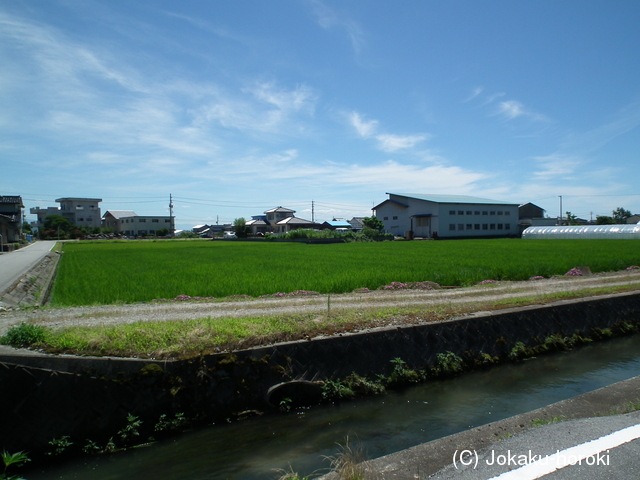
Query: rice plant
[[128, 272]]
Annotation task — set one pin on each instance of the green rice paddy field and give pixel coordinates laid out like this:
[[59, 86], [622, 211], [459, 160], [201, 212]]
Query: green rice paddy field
[[125, 272]]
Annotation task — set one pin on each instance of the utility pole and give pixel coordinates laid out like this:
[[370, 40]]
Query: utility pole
[[313, 220], [171, 225], [560, 210]]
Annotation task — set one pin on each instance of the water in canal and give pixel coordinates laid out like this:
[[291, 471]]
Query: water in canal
[[255, 449]]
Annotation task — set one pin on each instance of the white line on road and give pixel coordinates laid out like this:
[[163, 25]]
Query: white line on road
[[587, 453]]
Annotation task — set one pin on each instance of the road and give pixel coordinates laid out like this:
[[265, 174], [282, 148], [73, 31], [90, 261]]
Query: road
[[583, 437], [604, 447], [13, 265]]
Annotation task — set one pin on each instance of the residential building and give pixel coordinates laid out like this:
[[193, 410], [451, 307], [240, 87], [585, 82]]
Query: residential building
[[82, 212], [10, 218], [127, 222], [531, 215], [356, 224], [447, 216], [339, 225], [633, 219], [278, 220]]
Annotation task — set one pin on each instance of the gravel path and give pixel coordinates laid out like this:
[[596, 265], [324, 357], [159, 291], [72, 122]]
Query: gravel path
[[185, 310]]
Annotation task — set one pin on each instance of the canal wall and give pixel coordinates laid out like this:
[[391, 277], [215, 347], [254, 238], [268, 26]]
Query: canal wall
[[88, 399]]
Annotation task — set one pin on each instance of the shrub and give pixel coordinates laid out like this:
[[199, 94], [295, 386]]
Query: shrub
[[449, 363], [24, 335]]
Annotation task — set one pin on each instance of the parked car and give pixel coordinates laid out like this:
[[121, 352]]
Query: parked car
[[230, 235]]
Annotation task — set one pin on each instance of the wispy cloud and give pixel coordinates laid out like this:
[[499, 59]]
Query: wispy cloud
[[262, 107], [365, 128], [392, 143], [625, 120], [329, 18], [387, 142], [512, 109], [557, 166], [476, 91]]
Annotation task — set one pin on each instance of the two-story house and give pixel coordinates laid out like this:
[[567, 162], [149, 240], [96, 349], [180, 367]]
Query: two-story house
[[10, 218]]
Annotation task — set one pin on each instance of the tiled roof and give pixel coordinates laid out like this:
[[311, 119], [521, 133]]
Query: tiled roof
[[279, 210], [294, 221], [117, 214], [11, 199]]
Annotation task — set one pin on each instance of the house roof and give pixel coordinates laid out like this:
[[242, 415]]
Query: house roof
[[117, 214], [404, 205], [280, 210], [294, 221], [356, 222], [451, 198], [78, 199], [11, 199], [339, 224], [256, 221]]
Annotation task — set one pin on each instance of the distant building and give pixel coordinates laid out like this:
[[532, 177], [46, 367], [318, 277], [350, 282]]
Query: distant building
[[82, 212], [531, 215], [447, 216], [278, 220], [10, 218], [339, 225], [356, 224], [127, 222]]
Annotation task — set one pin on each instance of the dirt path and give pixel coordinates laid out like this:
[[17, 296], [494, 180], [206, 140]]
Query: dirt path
[[471, 298]]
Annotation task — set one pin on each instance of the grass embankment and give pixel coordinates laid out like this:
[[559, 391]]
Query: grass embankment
[[128, 272]]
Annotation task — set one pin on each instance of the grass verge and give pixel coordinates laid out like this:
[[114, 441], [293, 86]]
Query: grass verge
[[189, 338]]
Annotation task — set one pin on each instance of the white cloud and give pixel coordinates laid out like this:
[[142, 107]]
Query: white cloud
[[393, 143], [557, 166], [387, 142], [511, 109], [392, 175], [329, 18], [476, 91], [364, 128]]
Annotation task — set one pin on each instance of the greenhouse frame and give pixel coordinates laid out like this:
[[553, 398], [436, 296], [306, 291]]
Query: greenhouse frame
[[584, 231]]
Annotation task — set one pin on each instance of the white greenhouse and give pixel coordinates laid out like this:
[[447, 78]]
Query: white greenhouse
[[584, 231]]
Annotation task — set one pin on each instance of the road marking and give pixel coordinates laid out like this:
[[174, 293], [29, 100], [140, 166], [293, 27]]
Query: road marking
[[573, 455]]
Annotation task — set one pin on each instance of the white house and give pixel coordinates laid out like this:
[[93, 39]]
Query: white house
[[127, 222], [447, 216]]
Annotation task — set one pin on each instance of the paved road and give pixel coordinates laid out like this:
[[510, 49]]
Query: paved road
[[602, 448], [15, 264]]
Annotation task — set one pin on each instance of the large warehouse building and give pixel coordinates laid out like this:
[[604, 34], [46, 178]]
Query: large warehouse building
[[447, 216]]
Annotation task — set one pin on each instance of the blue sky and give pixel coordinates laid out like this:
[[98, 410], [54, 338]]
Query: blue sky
[[235, 107]]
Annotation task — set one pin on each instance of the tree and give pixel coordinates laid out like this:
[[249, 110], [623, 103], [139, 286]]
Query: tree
[[571, 218], [373, 223], [26, 228], [240, 227], [57, 226], [604, 220], [620, 215]]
